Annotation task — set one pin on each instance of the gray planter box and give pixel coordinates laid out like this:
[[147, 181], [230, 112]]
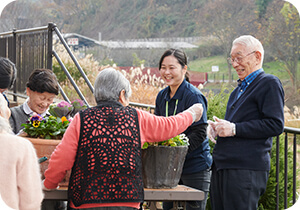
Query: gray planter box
[[162, 166]]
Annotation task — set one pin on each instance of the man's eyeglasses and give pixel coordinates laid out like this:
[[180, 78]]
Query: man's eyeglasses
[[238, 59]]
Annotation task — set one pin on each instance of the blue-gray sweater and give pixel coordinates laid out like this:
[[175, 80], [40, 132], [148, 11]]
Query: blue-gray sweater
[[258, 115]]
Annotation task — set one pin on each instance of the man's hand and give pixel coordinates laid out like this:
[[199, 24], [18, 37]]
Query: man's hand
[[224, 128], [211, 132]]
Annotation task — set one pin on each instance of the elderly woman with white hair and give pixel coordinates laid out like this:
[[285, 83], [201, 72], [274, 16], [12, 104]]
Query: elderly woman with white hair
[[102, 146], [20, 180]]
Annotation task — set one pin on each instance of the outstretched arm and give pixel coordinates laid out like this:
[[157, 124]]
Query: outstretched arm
[[156, 128]]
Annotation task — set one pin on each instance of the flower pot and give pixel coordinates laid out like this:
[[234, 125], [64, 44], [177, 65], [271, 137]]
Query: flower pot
[[44, 148], [162, 166]]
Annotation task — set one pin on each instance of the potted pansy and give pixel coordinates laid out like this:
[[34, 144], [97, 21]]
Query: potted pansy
[[46, 128], [45, 133], [163, 162]]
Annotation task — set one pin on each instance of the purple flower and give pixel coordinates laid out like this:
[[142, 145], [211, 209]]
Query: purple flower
[[78, 102], [36, 117], [64, 104], [78, 106], [61, 109]]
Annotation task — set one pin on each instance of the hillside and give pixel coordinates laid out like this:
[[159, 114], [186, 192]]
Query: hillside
[[115, 19]]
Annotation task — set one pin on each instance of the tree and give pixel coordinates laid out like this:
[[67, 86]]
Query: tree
[[283, 35], [262, 7], [15, 16], [227, 19], [292, 21], [137, 61]]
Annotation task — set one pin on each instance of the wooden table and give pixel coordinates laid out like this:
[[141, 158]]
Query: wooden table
[[180, 193]]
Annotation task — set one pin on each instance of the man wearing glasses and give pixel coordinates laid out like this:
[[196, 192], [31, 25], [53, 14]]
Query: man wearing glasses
[[254, 114]]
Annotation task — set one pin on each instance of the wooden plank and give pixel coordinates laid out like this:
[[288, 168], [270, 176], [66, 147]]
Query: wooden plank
[[179, 193]]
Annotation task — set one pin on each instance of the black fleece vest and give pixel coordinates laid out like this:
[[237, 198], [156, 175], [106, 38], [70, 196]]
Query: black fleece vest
[[108, 166]]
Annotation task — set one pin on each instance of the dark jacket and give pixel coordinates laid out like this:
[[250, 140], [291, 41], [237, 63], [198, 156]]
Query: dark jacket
[[258, 115]]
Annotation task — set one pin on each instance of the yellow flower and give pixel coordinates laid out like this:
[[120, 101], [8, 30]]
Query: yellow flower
[[36, 123]]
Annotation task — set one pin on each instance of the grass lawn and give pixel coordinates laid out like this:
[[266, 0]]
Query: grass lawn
[[205, 65], [216, 78]]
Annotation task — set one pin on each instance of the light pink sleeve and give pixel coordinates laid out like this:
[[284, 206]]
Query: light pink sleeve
[[29, 178], [157, 128], [63, 157]]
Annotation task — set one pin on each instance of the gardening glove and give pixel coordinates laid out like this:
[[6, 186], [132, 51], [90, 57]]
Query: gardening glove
[[210, 131], [224, 128], [196, 110]]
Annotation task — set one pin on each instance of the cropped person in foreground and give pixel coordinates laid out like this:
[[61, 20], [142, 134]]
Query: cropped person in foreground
[[20, 180], [102, 146], [254, 114]]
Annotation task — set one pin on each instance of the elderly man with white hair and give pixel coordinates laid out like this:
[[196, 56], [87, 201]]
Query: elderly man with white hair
[[254, 114]]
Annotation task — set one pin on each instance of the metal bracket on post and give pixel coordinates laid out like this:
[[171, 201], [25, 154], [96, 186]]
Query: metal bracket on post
[[14, 58], [74, 59], [70, 78], [50, 45]]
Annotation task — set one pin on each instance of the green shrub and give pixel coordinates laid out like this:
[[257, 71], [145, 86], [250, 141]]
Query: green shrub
[[268, 199], [217, 103], [87, 62], [60, 74]]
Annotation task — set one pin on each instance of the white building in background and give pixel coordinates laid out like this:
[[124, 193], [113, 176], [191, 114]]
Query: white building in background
[[121, 51]]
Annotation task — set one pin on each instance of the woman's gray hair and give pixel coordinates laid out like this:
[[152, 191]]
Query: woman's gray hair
[[4, 123], [251, 43], [109, 84]]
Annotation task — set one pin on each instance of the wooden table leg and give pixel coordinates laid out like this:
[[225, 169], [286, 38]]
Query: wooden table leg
[[153, 205], [179, 205]]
